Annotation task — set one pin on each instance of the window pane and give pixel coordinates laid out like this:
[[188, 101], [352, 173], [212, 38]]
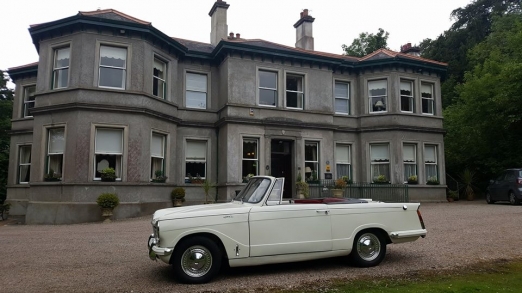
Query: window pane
[[343, 170], [61, 78], [29, 93], [107, 161], [112, 56], [406, 104], [159, 69], [406, 88], [249, 167], [341, 90], [56, 140], [409, 170], [380, 169], [379, 152], [430, 154], [342, 154], [377, 88], [156, 165], [427, 106], [55, 163], [294, 100], [431, 172], [25, 173], [294, 83], [196, 168], [196, 82], [112, 77], [409, 153], [196, 150], [267, 97], [249, 149], [311, 152], [196, 100], [426, 90], [268, 79], [157, 145], [109, 141], [158, 88], [341, 106], [62, 57]]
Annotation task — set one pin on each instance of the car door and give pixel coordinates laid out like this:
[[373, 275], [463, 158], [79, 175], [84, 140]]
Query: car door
[[495, 186], [289, 228]]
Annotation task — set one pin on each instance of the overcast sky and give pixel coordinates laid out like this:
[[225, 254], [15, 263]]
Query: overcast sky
[[336, 22]]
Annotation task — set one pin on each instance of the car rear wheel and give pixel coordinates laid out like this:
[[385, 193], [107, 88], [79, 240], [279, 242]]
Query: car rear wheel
[[488, 198], [196, 260], [369, 249], [512, 198]]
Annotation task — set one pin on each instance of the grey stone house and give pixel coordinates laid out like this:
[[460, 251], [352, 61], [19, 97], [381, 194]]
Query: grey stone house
[[110, 90]]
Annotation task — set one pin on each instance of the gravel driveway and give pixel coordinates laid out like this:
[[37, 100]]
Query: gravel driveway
[[99, 257]]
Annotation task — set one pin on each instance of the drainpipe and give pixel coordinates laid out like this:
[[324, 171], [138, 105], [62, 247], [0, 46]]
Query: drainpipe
[[217, 163]]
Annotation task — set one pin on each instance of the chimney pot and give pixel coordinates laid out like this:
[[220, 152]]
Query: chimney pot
[[305, 12], [231, 34], [238, 36]]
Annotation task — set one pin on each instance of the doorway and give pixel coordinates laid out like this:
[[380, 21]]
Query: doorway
[[281, 163]]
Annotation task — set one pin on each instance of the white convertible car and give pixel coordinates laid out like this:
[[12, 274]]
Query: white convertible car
[[259, 227]]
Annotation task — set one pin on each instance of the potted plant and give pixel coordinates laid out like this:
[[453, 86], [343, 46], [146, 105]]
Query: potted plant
[[247, 177], [452, 195], [468, 183], [159, 177], [347, 179], [4, 210], [52, 176], [107, 202], [196, 180], [433, 181], [108, 175], [413, 179], [178, 196], [339, 186], [302, 188], [380, 179], [313, 179], [207, 186]]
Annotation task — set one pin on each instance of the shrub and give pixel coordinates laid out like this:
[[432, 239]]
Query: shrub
[[108, 200], [159, 176], [303, 186], [433, 181], [381, 179], [340, 183], [108, 174], [413, 179], [178, 193]]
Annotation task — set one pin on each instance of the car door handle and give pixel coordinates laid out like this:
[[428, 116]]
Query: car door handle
[[322, 211]]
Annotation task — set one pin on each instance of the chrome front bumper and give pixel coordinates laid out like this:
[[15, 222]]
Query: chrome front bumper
[[154, 250]]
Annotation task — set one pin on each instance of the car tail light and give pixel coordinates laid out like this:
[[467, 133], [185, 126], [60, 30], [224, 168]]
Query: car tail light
[[519, 181], [420, 218]]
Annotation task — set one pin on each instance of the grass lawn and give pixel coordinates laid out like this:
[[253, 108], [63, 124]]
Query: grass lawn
[[497, 276]]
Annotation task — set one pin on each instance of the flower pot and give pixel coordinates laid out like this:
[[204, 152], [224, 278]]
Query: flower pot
[[450, 199], [177, 202], [107, 214], [337, 192]]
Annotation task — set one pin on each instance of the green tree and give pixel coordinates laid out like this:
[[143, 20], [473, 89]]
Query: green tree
[[485, 123], [6, 108], [472, 25], [367, 43]]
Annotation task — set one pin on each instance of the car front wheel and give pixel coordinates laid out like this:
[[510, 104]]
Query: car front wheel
[[488, 198], [512, 198], [369, 249], [196, 260]]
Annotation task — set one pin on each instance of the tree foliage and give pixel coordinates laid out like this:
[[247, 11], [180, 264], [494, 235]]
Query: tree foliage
[[485, 123], [472, 25], [6, 108], [367, 43]]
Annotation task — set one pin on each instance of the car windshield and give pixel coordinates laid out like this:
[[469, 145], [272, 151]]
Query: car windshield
[[254, 191]]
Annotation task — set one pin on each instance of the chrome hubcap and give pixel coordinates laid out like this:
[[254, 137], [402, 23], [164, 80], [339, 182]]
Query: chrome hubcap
[[196, 261], [368, 247]]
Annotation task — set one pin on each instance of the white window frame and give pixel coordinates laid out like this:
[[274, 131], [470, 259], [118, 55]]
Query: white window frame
[[160, 157], [347, 98], [57, 71], [123, 69], [385, 96], [375, 162], [20, 164], [121, 154], [431, 163], [27, 101], [347, 162], [205, 160], [267, 88], [411, 100], [157, 79], [189, 72], [408, 162], [430, 100], [49, 153], [302, 92], [314, 163], [256, 154]]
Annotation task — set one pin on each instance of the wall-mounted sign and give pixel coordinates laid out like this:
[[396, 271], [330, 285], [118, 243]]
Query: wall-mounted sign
[[328, 176], [327, 168]]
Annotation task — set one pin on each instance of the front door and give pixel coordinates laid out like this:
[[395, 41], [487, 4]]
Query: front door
[[281, 163]]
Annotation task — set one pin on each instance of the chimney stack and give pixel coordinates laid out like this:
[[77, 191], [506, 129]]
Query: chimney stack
[[304, 32], [219, 27]]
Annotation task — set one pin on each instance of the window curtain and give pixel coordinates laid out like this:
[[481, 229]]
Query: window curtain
[[62, 58], [113, 56], [408, 153], [157, 146], [25, 163]]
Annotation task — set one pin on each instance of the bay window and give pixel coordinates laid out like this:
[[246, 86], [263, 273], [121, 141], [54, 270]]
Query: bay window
[[157, 155], [409, 157], [407, 96], [28, 100], [428, 101], [430, 163], [196, 159], [61, 67], [159, 85], [55, 150]]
